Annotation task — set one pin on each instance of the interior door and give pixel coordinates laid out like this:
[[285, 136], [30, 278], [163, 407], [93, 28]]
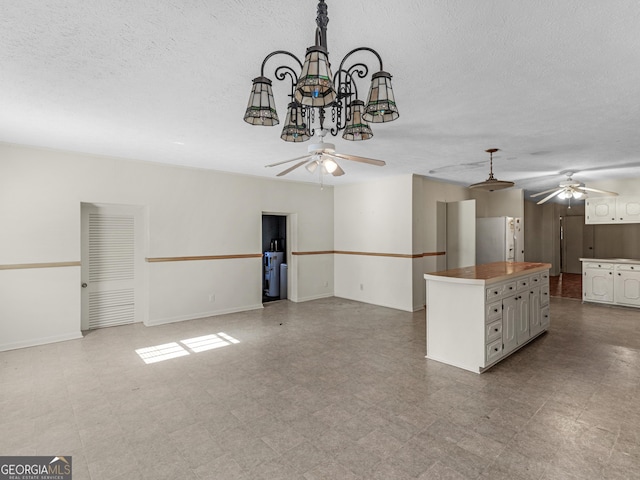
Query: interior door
[[572, 243], [461, 234], [112, 265]]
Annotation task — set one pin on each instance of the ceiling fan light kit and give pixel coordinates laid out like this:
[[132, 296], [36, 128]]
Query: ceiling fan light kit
[[317, 93], [570, 189], [323, 154], [492, 183]]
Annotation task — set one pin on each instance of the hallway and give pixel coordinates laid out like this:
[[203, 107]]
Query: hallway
[[568, 285]]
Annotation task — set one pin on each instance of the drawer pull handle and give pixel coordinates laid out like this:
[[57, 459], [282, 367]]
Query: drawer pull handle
[[495, 329], [495, 349]]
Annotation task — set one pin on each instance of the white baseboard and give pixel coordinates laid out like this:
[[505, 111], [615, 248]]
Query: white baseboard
[[33, 342], [195, 316], [313, 297]]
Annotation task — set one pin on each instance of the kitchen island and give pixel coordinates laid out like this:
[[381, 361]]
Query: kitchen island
[[478, 315]]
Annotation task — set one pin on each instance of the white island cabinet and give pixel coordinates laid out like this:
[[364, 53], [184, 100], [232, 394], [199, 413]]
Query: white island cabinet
[[478, 315], [615, 281]]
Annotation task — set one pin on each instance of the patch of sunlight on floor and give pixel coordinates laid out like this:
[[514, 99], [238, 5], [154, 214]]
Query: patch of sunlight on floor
[[196, 345], [204, 343], [160, 353]]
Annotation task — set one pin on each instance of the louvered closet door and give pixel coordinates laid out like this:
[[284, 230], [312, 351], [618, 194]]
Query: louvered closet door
[[109, 266]]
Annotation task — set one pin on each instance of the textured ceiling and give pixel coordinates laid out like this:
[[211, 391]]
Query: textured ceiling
[[554, 85]]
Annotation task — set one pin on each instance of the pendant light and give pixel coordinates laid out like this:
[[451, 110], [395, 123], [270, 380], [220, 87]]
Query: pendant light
[[492, 183]]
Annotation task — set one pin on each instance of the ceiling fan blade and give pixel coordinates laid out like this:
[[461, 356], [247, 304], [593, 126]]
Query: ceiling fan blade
[[290, 169], [338, 171], [542, 193], [354, 158], [598, 191], [557, 192], [287, 161]]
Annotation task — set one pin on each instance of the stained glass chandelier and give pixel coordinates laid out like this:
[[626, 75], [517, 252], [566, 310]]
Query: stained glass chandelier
[[317, 94]]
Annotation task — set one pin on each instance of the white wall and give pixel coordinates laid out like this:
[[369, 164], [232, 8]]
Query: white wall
[[376, 218], [500, 203], [191, 212], [429, 236]]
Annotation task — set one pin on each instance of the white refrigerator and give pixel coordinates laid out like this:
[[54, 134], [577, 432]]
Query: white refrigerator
[[272, 261], [499, 239]]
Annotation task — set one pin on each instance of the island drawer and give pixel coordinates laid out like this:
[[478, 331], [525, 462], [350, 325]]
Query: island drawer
[[494, 292], [494, 350], [493, 331], [509, 288], [544, 278], [545, 318], [493, 311], [544, 294], [523, 283]]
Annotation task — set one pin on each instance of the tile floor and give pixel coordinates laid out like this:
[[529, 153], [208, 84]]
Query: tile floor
[[330, 389]]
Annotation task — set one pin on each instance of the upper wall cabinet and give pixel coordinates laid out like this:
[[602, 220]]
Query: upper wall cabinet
[[612, 210]]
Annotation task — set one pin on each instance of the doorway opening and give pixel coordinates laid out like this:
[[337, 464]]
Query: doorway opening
[[274, 265]]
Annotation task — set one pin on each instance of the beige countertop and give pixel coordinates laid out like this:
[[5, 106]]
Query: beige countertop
[[611, 260], [488, 272]]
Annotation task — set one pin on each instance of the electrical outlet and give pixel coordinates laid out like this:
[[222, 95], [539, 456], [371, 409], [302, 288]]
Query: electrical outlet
[[326, 283], [361, 286], [212, 297]]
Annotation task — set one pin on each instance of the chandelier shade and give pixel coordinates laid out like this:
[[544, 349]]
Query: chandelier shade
[[295, 128], [357, 128], [320, 96], [381, 105], [315, 87], [261, 109]]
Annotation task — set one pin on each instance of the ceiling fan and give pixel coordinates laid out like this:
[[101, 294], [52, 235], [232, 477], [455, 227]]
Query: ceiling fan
[[322, 157], [569, 189]]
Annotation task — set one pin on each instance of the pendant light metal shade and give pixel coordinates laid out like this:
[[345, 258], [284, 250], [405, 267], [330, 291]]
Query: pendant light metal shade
[[295, 128], [357, 128], [381, 106], [315, 87], [261, 109], [492, 183]]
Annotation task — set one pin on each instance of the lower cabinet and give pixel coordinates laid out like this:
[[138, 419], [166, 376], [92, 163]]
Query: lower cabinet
[[597, 282], [611, 282], [626, 285], [518, 316]]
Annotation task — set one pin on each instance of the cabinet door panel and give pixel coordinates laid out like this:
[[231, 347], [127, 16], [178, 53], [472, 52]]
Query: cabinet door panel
[[627, 287], [509, 324], [598, 285], [534, 311], [601, 210], [628, 209], [522, 317]]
